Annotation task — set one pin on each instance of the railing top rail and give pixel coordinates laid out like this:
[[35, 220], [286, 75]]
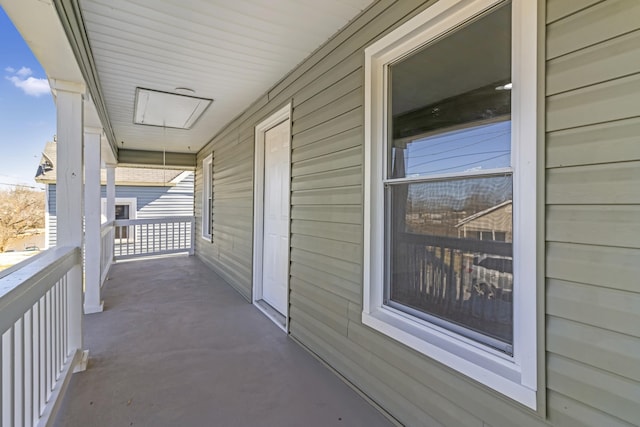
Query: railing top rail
[[23, 287], [469, 245], [160, 220], [21, 264]]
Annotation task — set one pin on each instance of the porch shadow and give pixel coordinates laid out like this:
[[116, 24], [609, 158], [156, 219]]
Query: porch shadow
[[177, 346]]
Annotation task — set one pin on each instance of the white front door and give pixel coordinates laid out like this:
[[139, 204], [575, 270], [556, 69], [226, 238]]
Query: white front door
[[275, 255]]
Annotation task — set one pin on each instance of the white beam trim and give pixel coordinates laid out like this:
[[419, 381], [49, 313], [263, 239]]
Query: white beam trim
[[111, 193], [69, 197], [93, 234], [67, 86], [93, 131]]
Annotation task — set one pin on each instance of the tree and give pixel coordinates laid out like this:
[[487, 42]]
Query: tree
[[21, 209]]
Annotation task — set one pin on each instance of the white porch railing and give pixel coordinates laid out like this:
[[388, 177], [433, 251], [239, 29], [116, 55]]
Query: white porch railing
[[37, 334], [154, 236], [107, 234]]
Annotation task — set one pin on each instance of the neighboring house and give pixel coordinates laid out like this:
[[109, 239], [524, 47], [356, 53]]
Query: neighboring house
[[140, 193], [494, 223]]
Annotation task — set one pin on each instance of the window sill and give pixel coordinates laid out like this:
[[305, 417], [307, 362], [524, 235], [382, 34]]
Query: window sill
[[496, 371]]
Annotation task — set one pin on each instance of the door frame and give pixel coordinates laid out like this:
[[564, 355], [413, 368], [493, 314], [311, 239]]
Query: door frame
[[261, 129]]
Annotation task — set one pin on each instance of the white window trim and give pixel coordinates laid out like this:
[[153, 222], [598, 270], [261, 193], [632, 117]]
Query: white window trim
[[131, 201], [206, 191], [515, 377], [133, 213]]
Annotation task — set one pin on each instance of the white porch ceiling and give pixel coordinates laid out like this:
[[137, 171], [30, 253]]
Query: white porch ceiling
[[230, 51]]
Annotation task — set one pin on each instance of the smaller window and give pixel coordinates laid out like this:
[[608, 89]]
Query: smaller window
[[207, 197], [122, 212], [125, 208]]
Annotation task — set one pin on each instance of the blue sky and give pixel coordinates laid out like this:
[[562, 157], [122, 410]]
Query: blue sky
[[27, 110], [482, 147]]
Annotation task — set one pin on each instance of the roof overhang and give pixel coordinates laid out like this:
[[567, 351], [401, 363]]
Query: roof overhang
[[39, 24], [230, 52]]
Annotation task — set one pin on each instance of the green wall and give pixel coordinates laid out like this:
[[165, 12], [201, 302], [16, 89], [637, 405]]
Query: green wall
[[592, 222]]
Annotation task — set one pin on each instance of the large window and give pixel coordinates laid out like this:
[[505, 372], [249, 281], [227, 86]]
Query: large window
[[450, 192], [207, 197]]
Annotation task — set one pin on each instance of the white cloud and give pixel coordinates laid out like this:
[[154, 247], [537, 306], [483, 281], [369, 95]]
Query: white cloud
[[30, 85], [24, 72]]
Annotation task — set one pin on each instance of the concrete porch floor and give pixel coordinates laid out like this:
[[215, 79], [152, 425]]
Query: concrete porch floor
[[177, 346]]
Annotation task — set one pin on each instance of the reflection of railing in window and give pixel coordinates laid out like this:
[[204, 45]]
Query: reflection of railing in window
[[455, 279]]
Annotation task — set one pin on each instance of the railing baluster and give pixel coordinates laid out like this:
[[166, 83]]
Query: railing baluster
[[18, 366], [65, 311], [35, 366], [42, 356], [59, 329], [63, 323], [56, 328], [54, 336], [9, 397], [50, 345], [27, 396]]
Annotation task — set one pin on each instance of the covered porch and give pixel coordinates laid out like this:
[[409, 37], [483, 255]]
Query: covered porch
[[165, 341], [176, 345]]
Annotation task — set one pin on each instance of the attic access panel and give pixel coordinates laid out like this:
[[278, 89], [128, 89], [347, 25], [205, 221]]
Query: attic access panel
[[166, 109]]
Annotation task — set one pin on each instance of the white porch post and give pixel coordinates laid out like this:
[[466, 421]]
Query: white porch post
[[92, 244], [69, 106], [111, 193]]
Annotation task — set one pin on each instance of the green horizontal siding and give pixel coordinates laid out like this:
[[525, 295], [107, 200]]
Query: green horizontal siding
[[609, 225], [593, 212], [588, 26], [605, 308], [612, 142], [592, 224]]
